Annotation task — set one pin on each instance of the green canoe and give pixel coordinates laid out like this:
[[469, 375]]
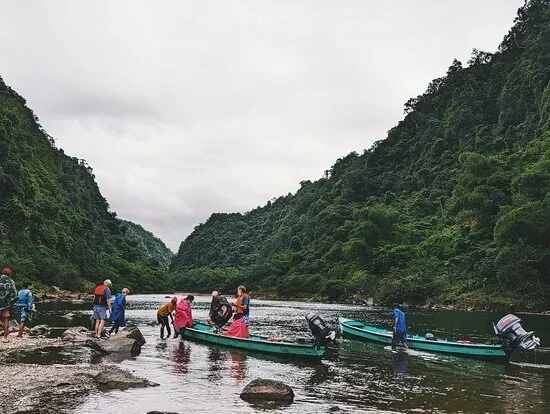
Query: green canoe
[[362, 331], [205, 333]]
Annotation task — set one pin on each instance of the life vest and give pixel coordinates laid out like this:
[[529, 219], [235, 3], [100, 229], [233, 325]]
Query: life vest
[[240, 307], [24, 298], [99, 295]]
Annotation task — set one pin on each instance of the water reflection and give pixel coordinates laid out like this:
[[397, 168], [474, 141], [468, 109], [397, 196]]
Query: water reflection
[[181, 358], [399, 361], [238, 366], [215, 364]]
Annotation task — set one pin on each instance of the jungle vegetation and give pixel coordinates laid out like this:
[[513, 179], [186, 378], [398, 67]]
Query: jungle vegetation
[[453, 206], [55, 226]]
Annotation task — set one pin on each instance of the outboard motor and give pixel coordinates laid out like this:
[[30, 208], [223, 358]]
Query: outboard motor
[[430, 337], [511, 334], [321, 332]]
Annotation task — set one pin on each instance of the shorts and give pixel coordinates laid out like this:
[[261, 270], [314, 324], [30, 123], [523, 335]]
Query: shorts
[[100, 313], [25, 316], [399, 337], [5, 313]]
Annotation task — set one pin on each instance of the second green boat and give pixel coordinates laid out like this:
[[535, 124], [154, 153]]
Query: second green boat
[[508, 330]]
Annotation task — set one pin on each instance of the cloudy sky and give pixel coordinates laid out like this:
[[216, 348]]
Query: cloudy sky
[[185, 108]]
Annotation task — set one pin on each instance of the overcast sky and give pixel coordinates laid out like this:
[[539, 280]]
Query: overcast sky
[[187, 108]]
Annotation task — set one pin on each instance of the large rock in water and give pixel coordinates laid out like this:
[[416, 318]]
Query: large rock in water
[[132, 332], [267, 390], [120, 380], [126, 342]]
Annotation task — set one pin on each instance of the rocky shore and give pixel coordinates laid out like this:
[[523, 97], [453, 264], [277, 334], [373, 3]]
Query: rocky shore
[[35, 381]]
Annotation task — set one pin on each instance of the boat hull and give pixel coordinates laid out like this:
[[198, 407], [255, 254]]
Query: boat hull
[[361, 331], [204, 333]]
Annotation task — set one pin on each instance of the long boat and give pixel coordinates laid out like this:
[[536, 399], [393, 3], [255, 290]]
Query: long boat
[[359, 330], [205, 333]]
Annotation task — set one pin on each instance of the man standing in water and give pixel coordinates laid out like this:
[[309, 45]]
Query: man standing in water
[[399, 328]]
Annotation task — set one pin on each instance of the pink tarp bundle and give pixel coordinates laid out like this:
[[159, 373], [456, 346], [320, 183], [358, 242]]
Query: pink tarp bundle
[[183, 317], [238, 329]]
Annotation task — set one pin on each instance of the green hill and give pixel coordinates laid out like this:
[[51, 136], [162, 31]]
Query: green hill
[[453, 206], [146, 241], [55, 226]]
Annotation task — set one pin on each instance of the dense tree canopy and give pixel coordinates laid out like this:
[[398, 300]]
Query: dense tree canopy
[[453, 205], [55, 226]]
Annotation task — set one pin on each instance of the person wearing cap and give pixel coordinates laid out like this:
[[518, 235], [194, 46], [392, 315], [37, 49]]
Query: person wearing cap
[[165, 312], [8, 297], [220, 310], [102, 302], [242, 305]]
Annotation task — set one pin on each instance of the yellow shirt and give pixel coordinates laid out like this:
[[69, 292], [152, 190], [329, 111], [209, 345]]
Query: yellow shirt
[[166, 309]]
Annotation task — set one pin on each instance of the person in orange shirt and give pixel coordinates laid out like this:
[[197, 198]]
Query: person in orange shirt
[[163, 313]]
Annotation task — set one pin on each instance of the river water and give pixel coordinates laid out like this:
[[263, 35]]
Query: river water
[[354, 377]]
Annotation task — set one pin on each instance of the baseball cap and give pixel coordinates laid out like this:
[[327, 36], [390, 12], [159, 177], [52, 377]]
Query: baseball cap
[[107, 282]]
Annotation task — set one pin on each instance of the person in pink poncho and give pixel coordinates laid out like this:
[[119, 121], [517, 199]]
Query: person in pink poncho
[[238, 328], [183, 317]]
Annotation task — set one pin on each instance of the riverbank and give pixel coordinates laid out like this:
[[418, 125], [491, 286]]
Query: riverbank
[[45, 375]]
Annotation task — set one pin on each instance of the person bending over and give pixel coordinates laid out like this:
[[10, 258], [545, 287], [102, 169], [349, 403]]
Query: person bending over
[[165, 312]]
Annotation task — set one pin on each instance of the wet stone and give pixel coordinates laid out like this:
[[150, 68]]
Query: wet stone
[[267, 390]]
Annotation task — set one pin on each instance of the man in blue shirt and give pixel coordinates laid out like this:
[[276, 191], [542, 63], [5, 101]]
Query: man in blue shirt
[[399, 328], [25, 305]]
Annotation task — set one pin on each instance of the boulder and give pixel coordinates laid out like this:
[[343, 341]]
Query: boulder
[[76, 334], [267, 390], [127, 342], [39, 330], [120, 380], [132, 332]]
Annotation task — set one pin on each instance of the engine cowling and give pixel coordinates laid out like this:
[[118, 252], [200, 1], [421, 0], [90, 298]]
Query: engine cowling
[[319, 329], [512, 335]]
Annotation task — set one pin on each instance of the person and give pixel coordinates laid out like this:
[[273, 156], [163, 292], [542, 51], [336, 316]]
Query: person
[[238, 328], [220, 310], [399, 328], [163, 313], [25, 305], [118, 309], [184, 316], [102, 302], [8, 297], [242, 305]]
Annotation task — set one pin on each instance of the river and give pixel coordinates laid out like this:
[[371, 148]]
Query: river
[[354, 377]]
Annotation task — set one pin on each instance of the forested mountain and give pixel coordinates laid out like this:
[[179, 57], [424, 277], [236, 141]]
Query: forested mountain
[[55, 226], [146, 241], [453, 206]]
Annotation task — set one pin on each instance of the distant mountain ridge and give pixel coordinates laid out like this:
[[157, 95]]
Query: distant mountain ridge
[[148, 242], [453, 206]]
